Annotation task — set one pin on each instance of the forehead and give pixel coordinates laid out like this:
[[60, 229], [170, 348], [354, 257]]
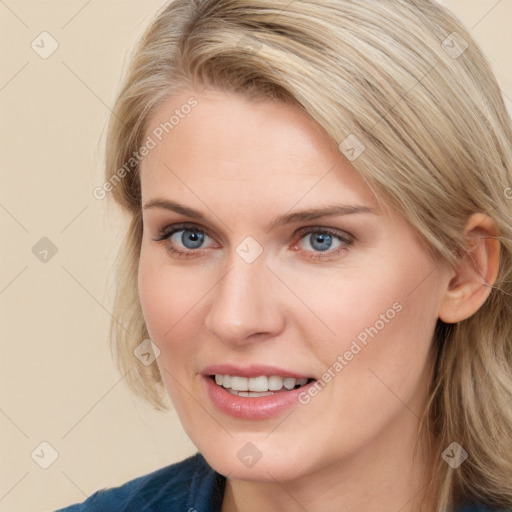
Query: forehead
[[233, 145]]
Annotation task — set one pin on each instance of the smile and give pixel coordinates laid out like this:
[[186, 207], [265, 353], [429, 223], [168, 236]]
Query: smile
[[254, 397], [258, 386]]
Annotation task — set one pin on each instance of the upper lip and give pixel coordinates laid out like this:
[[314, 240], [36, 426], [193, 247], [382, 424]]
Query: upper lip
[[253, 370]]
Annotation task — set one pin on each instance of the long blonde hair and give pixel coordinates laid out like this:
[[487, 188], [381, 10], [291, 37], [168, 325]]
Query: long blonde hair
[[402, 83]]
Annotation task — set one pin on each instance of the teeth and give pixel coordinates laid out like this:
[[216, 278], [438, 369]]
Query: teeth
[[239, 383], [257, 386], [275, 383], [289, 383], [249, 393]]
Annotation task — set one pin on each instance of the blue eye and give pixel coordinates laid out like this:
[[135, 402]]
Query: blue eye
[[324, 241], [320, 241], [184, 241], [190, 239]]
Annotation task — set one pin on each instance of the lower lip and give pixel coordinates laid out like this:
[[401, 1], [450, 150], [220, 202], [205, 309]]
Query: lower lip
[[253, 408]]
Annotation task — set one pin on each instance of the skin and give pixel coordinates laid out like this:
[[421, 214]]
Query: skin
[[243, 163]]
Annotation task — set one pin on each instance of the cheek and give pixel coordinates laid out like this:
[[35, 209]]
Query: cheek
[[383, 333], [171, 302], [381, 318], [371, 296], [168, 295]]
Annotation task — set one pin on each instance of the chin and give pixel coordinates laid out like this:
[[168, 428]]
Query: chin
[[256, 461]]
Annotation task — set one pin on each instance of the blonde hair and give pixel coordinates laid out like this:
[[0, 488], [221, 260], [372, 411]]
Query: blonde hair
[[403, 81]]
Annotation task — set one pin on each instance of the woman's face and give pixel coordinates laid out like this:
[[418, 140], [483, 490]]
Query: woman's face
[[266, 260]]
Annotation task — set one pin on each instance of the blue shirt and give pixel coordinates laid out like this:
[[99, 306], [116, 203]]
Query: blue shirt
[[187, 486]]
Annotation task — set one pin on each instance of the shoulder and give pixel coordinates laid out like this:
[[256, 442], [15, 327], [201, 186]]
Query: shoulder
[[180, 486]]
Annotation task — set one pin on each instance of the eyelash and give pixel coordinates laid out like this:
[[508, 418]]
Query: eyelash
[[345, 238]]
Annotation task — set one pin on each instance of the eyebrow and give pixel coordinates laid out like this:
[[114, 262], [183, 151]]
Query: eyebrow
[[304, 215]]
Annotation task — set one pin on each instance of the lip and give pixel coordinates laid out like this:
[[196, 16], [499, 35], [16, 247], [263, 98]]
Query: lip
[[254, 370], [251, 408]]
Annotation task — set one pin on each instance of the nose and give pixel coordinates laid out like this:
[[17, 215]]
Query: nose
[[243, 305]]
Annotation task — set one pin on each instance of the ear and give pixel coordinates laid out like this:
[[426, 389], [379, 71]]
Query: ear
[[474, 274]]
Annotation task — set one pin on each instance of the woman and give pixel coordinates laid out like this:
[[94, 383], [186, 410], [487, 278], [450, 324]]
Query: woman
[[320, 253]]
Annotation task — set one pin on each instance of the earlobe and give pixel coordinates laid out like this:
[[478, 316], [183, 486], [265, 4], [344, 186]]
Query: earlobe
[[475, 273]]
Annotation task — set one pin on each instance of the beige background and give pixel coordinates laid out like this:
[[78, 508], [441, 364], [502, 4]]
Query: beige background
[[58, 383]]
